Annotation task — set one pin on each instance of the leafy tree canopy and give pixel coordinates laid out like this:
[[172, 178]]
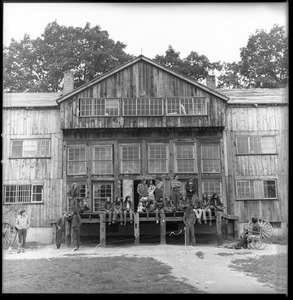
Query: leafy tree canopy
[[38, 65]]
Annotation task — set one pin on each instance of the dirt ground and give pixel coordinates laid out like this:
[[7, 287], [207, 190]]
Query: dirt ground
[[204, 266]]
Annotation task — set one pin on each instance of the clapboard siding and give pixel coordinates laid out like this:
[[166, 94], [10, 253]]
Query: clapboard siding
[[34, 123], [136, 80], [258, 120]]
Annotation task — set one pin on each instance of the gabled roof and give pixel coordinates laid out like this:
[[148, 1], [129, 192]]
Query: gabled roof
[[131, 62], [30, 99], [256, 96]]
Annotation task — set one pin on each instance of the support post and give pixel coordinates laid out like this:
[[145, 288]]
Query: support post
[[163, 231], [102, 231], [219, 228], [236, 230], [136, 228], [54, 229]]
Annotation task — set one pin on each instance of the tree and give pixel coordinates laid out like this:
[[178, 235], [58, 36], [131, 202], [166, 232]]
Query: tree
[[38, 65], [264, 60], [194, 66]]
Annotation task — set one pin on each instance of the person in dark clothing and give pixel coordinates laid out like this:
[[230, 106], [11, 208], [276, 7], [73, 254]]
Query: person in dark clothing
[[216, 204], [108, 207], [242, 243], [60, 230], [73, 196], [76, 224], [159, 188], [189, 221], [183, 203], [159, 209], [191, 188]]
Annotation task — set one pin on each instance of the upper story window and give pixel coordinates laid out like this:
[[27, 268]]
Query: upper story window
[[185, 158], [76, 160], [29, 148], [210, 158], [256, 189], [24, 193], [186, 106], [211, 187], [103, 159], [130, 158], [143, 106], [256, 145], [89, 107], [158, 158]]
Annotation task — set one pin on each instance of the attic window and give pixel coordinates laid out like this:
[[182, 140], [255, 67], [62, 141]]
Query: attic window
[[143, 106], [92, 107], [186, 106]]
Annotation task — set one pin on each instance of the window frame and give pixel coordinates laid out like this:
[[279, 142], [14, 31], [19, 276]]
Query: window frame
[[93, 102], [85, 159], [258, 186], [181, 106], [96, 198], [209, 159], [122, 160], [37, 140], [260, 143], [195, 167], [94, 160], [151, 110], [31, 191], [212, 182], [166, 159]]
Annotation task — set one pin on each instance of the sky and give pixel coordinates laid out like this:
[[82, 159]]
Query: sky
[[216, 30]]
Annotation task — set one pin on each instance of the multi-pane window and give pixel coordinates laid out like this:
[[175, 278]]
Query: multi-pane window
[[256, 144], [101, 190], [76, 160], [256, 189], [143, 106], [210, 158], [98, 107], [211, 187], [23, 193], [157, 158], [186, 106], [130, 158], [185, 158], [103, 159], [30, 148]]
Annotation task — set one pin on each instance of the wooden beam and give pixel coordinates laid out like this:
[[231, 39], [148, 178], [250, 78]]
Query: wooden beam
[[102, 231], [136, 228], [219, 228], [163, 232]]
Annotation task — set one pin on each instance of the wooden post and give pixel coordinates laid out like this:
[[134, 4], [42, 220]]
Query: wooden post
[[68, 233], [54, 228], [136, 228], [236, 230], [219, 228], [102, 231]]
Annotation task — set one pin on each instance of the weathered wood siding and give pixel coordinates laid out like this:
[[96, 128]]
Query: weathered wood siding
[[139, 79], [34, 123], [269, 119]]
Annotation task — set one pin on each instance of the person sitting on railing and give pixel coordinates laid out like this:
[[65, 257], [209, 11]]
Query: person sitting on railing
[[127, 206], [140, 207], [108, 207], [159, 208], [183, 203], [197, 209], [150, 206], [82, 206], [168, 205], [117, 210], [216, 204], [142, 190]]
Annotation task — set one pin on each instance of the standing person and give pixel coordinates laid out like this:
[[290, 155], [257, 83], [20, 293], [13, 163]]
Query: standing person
[[151, 190], [108, 206], [189, 221], [117, 210], [175, 196], [127, 206], [142, 190], [216, 204], [22, 224], [76, 224], [191, 188], [73, 195], [60, 230], [159, 188], [205, 204]]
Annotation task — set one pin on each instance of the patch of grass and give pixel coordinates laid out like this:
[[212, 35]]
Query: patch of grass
[[269, 269], [91, 275]]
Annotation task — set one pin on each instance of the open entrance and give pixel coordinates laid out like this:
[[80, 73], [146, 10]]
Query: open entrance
[[135, 194]]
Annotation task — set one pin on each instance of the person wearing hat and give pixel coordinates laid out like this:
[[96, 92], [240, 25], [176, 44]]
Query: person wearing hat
[[22, 224]]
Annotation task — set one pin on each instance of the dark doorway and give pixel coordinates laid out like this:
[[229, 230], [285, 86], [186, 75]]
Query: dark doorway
[[135, 194]]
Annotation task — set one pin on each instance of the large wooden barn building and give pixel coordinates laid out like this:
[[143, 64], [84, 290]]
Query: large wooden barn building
[[142, 120]]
